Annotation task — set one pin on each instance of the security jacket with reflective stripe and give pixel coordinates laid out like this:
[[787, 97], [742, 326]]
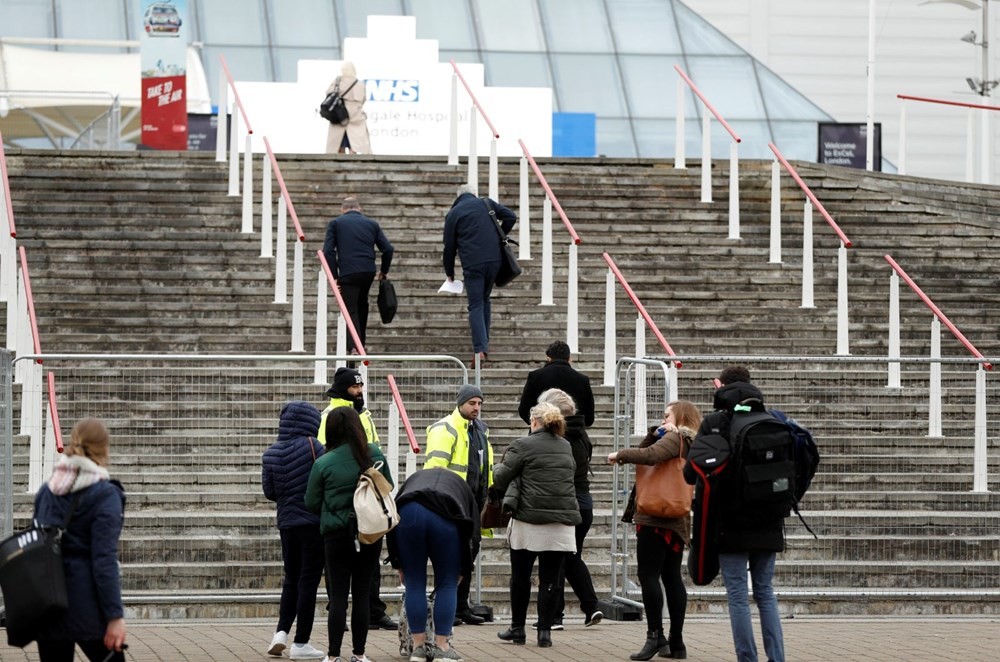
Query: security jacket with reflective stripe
[[367, 421], [448, 447]]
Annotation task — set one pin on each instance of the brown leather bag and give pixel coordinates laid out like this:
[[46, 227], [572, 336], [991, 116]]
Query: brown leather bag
[[493, 515], [661, 491]]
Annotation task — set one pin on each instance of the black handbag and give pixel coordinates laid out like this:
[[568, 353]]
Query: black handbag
[[33, 579], [509, 268], [387, 303], [333, 109]]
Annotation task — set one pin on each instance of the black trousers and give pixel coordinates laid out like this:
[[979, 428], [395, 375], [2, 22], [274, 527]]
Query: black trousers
[[550, 565], [376, 608], [577, 573], [657, 561], [348, 572], [354, 289], [63, 650], [303, 556], [465, 586]]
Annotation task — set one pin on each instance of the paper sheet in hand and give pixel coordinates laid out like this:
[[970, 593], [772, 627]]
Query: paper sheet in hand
[[454, 287]]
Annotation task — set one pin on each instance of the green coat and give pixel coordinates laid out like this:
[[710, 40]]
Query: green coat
[[332, 482], [543, 465]]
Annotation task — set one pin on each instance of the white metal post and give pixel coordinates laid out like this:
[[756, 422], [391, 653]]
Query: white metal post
[[679, 137], [901, 166], [734, 190], [266, 248], [523, 230], [23, 338], [775, 213], [807, 255], [547, 253], [672, 376], [706, 156], [979, 459], [842, 343], [610, 330], [895, 380], [341, 340], [222, 119], [247, 186], [392, 445], [49, 437], [453, 132], [970, 146], [985, 153], [281, 255], [639, 419], [13, 302], [298, 299], [319, 376], [411, 462], [234, 154], [870, 79], [31, 422], [572, 301], [473, 148], [934, 406], [494, 186]]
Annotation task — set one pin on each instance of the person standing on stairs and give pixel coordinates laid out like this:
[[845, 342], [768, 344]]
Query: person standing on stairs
[[285, 468], [349, 248], [347, 390], [352, 136], [471, 233]]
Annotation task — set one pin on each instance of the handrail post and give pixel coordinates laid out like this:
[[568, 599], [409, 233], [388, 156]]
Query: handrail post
[[706, 157], [281, 254], [807, 255], [473, 149], [985, 151], [547, 253], [31, 422], [266, 248], [934, 391], [222, 115], [901, 165], [572, 301], [672, 382], [734, 190], [639, 418], [775, 214], [970, 146], [298, 300], [610, 330], [234, 156], [341, 342], [979, 457], [392, 446], [13, 305], [895, 380], [679, 134], [453, 125], [524, 209], [247, 186], [842, 344], [494, 186], [319, 367]]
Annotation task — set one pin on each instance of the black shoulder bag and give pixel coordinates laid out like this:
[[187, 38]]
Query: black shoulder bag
[[509, 268]]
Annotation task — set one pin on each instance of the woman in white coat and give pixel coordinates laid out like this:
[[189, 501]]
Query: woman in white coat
[[354, 134]]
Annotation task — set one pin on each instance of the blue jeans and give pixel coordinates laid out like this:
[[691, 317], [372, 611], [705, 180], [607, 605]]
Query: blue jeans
[[734, 574], [479, 280], [423, 534]]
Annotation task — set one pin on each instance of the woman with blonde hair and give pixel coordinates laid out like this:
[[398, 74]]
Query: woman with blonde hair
[[544, 517], [660, 541], [81, 491], [353, 135]]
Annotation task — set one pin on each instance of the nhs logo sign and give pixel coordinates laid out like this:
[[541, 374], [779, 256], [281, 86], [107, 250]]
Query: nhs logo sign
[[407, 91]]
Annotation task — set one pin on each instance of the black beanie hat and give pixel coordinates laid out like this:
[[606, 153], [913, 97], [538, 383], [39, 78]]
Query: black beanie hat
[[343, 379]]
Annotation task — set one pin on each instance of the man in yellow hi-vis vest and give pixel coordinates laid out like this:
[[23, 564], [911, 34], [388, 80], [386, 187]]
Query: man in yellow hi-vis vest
[[460, 442], [347, 390]]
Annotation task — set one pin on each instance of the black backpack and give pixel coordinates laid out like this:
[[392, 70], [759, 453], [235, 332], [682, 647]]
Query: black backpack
[[332, 108], [709, 459]]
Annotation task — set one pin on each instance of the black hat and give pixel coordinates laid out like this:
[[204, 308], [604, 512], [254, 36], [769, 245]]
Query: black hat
[[343, 379], [467, 392]]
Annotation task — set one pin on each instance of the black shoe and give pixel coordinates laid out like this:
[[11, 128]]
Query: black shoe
[[458, 621], [466, 616], [383, 623], [593, 619], [655, 643], [544, 638], [513, 635], [677, 649]]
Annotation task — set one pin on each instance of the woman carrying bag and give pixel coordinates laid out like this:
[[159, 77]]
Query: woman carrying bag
[[662, 524]]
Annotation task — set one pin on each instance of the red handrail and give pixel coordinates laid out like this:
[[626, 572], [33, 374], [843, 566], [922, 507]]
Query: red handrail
[[937, 311], [474, 99], [54, 411], [30, 301], [6, 189], [945, 102], [694, 88], [548, 192], [398, 399], [236, 95], [638, 305], [284, 191], [809, 194], [340, 302]]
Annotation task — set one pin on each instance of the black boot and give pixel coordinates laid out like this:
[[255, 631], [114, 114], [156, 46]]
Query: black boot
[[676, 648], [544, 638], [655, 643], [514, 635]]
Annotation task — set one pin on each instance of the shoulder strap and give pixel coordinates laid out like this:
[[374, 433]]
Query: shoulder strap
[[496, 221], [72, 509], [312, 448], [349, 87]]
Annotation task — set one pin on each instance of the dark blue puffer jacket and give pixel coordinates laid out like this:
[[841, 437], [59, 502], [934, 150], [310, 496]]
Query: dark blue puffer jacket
[[287, 463]]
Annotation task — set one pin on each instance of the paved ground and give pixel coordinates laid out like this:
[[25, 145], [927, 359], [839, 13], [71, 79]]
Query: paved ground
[[806, 638]]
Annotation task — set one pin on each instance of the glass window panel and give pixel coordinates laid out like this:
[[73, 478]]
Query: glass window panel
[[614, 138], [26, 18], [699, 37], [448, 21], [232, 22], [579, 26], [303, 23], [512, 25], [729, 84], [588, 84], [656, 138], [100, 19], [356, 14], [286, 60], [245, 63], [784, 102], [651, 85], [796, 140], [517, 70], [644, 26], [461, 57]]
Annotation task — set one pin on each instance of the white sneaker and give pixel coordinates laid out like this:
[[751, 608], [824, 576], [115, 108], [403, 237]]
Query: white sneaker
[[363, 658], [278, 644], [306, 652]]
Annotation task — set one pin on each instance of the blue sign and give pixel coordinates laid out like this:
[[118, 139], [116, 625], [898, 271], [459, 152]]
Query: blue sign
[[574, 134]]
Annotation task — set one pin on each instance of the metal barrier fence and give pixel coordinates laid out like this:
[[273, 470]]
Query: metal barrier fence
[[894, 507]]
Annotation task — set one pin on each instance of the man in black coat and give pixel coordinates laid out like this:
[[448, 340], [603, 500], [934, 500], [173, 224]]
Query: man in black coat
[[558, 373]]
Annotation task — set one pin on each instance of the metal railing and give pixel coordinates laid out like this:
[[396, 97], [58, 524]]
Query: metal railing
[[473, 135]]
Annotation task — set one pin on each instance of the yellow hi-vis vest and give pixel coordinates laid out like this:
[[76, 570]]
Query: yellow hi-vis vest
[[448, 446], [367, 422]]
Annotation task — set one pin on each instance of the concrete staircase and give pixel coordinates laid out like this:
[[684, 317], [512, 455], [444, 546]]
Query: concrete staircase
[[142, 253]]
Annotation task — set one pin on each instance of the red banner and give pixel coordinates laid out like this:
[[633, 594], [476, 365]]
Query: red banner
[[164, 112]]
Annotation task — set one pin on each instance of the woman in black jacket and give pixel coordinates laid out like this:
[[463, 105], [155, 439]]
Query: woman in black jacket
[[544, 518]]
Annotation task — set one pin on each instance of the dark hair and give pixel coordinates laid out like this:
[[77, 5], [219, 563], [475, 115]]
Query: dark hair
[[734, 373], [558, 351], [343, 426]]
